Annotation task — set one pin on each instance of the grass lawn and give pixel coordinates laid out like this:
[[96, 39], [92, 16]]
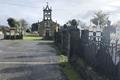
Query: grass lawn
[[32, 37], [68, 70]]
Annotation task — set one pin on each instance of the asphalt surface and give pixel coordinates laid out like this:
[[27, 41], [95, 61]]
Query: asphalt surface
[[29, 60]]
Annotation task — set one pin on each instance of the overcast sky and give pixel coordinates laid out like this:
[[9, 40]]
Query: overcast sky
[[63, 10]]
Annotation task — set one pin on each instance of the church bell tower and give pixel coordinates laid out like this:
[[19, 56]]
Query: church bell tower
[[47, 26], [47, 18], [47, 13]]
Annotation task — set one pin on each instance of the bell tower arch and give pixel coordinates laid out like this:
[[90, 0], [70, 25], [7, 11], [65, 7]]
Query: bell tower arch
[[47, 13]]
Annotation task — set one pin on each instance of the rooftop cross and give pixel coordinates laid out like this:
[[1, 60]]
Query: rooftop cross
[[47, 3]]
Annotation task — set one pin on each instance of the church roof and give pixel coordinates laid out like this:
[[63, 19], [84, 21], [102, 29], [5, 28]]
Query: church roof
[[47, 7]]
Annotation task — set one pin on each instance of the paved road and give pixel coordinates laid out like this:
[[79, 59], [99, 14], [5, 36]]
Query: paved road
[[28, 60]]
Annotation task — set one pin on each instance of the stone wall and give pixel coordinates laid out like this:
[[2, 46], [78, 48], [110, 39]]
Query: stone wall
[[95, 53]]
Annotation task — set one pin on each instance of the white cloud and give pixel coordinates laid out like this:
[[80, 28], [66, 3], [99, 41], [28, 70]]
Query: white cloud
[[63, 10]]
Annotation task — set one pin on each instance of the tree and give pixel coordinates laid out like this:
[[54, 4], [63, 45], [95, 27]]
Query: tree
[[23, 24], [73, 23], [100, 18], [12, 22]]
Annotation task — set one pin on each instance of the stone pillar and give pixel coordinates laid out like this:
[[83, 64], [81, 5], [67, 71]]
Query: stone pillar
[[68, 46], [74, 44]]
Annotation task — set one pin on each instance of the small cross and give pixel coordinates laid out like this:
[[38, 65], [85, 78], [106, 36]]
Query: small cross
[[47, 3]]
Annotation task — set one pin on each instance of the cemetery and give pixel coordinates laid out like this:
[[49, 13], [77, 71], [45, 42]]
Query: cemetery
[[93, 46], [46, 50]]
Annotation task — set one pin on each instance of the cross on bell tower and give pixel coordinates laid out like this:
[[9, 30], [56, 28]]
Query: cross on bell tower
[[47, 13]]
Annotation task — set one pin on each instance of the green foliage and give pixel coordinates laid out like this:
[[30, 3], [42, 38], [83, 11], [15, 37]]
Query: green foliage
[[100, 18], [70, 72], [12, 22], [67, 69], [63, 59], [23, 23], [73, 22]]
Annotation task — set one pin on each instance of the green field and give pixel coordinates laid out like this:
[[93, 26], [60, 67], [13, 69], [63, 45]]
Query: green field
[[32, 37]]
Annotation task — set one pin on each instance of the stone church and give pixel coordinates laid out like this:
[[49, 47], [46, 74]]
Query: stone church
[[47, 26]]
